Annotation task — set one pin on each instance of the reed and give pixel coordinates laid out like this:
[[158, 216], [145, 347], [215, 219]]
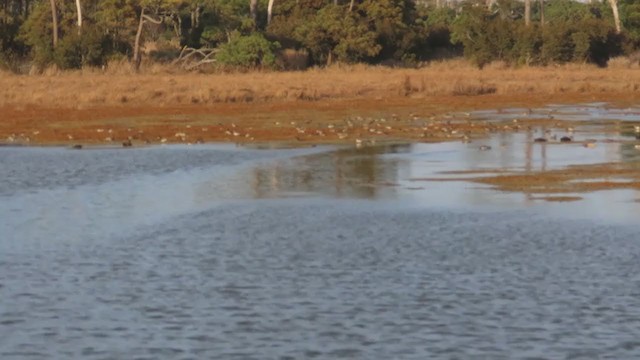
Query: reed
[[159, 85]]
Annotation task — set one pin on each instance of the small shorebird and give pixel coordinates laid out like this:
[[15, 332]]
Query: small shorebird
[[545, 136]]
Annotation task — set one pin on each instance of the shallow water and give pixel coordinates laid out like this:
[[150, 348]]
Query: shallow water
[[596, 111], [223, 252]]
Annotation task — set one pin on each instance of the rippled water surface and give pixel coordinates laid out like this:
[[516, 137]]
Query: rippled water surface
[[233, 253]]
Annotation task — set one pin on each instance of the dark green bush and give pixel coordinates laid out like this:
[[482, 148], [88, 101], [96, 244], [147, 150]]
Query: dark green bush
[[253, 51], [77, 50], [334, 34], [573, 34], [398, 32]]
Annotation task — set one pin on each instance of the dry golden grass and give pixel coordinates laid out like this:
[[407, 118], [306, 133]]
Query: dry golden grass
[[158, 85], [473, 89], [622, 62], [294, 59]]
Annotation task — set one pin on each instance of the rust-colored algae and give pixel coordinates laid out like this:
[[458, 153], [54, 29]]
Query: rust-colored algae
[[559, 198], [573, 179]]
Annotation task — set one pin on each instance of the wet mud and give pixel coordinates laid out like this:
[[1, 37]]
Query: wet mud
[[342, 121]]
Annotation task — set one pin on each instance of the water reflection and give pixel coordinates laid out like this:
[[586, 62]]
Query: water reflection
[[401, 171], [591, 112], [350, 172], [389, 170]]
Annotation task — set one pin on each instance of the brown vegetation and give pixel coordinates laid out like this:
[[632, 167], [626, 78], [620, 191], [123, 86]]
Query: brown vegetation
[[573, 179], [158, 86], [160, 102], [558, 198]]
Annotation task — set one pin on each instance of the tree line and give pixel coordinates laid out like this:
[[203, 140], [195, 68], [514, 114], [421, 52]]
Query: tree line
[[270, 33]]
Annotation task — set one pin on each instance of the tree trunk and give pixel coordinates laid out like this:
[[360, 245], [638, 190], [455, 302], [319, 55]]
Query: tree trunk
[[197, 17], [136, 46], [79, 11], [269, 11], [527, 12], [54, 16], [351, 5], [24, 8], [616, 15], [253, 9], [542, 12]]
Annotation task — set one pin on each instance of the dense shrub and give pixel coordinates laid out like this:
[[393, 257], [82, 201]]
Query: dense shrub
[[398, 32], [334, 34], [77, 50], [253, 51], [36, 34], [570, 35]]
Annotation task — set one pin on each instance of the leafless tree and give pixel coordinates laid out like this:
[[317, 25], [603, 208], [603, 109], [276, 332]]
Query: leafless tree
[[79, 11], [54, 22], [527, 12], [136, 47], [196, 12], [269, 11], [616, 15]]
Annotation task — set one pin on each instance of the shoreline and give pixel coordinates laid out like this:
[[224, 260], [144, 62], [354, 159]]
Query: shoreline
[[82, 106], [339, 124], [334, 121]]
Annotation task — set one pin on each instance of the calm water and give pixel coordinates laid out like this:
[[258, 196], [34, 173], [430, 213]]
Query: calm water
[[231, 253]]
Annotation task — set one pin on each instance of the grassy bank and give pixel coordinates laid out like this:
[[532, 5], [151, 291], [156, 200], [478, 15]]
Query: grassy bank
[[156, 87]]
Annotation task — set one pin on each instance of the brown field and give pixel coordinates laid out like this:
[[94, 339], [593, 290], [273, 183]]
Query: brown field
[[157, 86]]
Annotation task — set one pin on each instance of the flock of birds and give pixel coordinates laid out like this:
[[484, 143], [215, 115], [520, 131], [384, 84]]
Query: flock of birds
[[363, 131]]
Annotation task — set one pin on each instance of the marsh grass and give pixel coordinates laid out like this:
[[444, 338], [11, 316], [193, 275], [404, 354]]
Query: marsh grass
[[160, 85], [623, 62], [473, 89]]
